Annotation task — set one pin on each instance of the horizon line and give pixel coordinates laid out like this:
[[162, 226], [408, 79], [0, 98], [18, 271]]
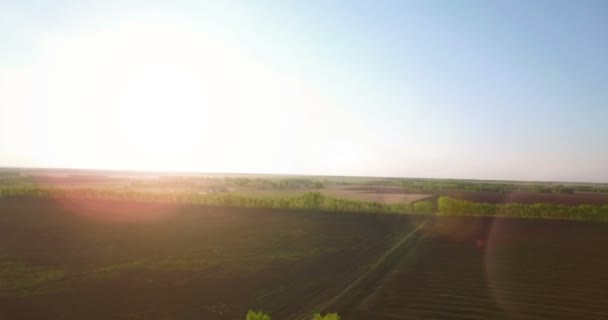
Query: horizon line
[[165, 172]]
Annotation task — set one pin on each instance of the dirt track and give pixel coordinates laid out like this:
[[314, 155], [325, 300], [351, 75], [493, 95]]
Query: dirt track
[[479, 268]]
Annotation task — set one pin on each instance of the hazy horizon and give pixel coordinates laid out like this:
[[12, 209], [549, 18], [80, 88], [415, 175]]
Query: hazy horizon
[[263, 174], [490, 90]]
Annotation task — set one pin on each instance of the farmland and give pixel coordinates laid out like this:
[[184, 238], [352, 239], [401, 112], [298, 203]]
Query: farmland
[[179, 261], [94, 246], [481, 268]]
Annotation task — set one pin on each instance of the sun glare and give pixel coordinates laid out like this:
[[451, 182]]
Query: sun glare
[[164, 112], [163, 109], [156, 92]]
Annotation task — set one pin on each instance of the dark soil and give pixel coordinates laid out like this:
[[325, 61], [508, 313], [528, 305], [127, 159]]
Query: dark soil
[[133, 260], [483, 268], [123, 260]]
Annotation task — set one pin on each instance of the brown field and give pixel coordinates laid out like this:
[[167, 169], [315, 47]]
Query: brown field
[[133, 260], [481, 268], [122, 260], [388, 195], [530, 197], [396, 194]]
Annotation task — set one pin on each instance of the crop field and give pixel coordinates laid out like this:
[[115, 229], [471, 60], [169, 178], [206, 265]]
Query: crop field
[[393, 195], [122, 260], [483, 268], [382, 195], [180, 248]]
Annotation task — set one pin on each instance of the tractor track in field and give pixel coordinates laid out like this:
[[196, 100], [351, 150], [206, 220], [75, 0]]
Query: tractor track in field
[[365, 275]]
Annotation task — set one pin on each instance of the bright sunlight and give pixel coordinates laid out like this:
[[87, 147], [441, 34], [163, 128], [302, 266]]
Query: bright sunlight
[[156, 93]]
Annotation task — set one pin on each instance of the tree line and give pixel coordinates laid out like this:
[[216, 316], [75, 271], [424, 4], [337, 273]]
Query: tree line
[[452, 207], [438, 185], [317, 201], [415, 185], [306, 201]]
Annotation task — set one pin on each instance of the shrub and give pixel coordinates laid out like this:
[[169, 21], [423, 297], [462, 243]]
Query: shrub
[[259, 315], [327, 316]]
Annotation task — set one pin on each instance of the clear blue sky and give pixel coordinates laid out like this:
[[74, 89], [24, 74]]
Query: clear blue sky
[[453, 89]]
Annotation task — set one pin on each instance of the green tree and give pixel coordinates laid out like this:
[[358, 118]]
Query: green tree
[[259, 315], [327, 316], [423, 207], [241, 182]]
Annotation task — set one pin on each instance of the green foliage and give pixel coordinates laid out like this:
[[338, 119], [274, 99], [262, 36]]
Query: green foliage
[[280, 184], [327, 316], [453, 207], [304, 201], [259, 315], [423, 207], [320, 202], [432, 185]]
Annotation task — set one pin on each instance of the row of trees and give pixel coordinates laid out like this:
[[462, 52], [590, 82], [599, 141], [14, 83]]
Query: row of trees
[[320, 202], [307, 201], [285, 183], [437, 185], [453, 207], [294, 183], [420, 185]]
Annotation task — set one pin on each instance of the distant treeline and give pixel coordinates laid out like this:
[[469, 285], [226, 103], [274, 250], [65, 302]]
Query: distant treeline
[[258, 183], [300, 183], [320, 202], [415, 185], [437, 185], [452, 207], [307, 201], [286, 183]]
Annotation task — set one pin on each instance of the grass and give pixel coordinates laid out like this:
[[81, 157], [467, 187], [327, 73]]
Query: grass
[[18, 278]]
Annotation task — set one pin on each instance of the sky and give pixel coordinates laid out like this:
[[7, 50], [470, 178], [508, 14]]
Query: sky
[[514, 90]]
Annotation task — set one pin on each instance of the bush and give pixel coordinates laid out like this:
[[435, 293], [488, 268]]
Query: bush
[[423, 207], [327, 316], [259, 315]]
